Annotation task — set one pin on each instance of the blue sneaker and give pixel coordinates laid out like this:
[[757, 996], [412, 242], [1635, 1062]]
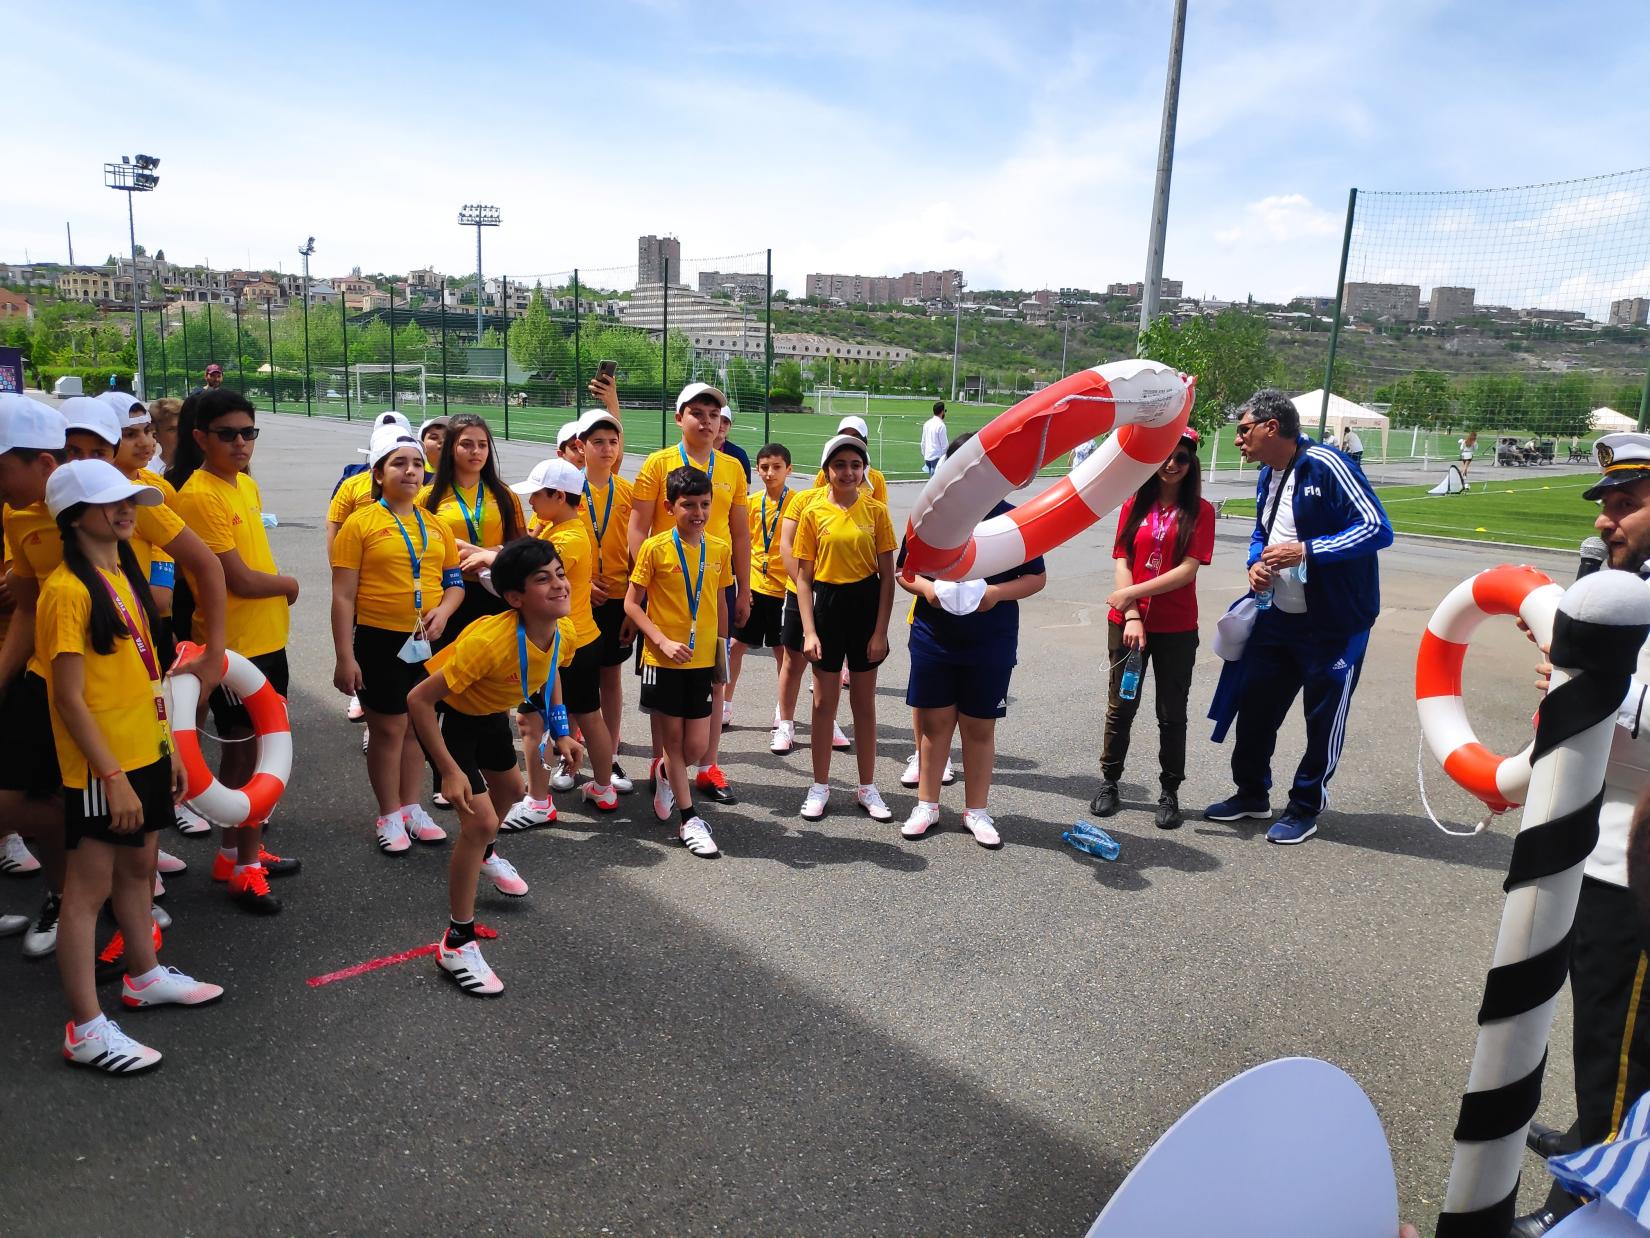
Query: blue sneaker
[[1239, 807], [1291, 828]]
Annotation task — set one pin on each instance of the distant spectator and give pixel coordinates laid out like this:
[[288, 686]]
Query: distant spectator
[[213, 379], [732, 449], [935, 438], [1353, 446], [1469, 448]]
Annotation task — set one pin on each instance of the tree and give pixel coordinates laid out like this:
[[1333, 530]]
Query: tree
[[787, 381], [412, 343], [1421, 399], [534, 337], [1228, 354]]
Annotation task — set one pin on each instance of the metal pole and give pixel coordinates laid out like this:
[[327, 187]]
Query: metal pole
[[343, 323], [1165, 167], [443, 345], [240, 354], [269, 336], [504, 361], [578, 352], [392, 344], [478, 284], [767, 358], [1335, 326], [664, 357], [308, 411], [137, 303]]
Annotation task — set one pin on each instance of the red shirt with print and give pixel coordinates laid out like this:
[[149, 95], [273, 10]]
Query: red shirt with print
[[1153, 553]]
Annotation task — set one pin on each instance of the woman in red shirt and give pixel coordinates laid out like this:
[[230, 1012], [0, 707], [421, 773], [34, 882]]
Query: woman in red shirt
[[1164, 533]]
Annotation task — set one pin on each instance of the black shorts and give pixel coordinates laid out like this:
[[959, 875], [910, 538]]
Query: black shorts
[[976, 691], [228, 714], [845, 617], [479, 602], [581, 684], [86, 811], [676, 692], [385, 678], [610, 618], [767, 619], [480, 744], [790, 624], [28, 753]]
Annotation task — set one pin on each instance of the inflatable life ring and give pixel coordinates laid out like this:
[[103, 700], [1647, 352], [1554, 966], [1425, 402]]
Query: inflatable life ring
[[232, 806], [947, 537], [1500, 781]]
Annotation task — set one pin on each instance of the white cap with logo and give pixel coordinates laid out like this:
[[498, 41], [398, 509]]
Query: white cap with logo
[[96, 482], [856, 424], [598, 417], [693, 391], [568, 432], [387, 419], [389, 439], [94, 416], [841, 441], [552, 474], [128, 408], [29, 423]]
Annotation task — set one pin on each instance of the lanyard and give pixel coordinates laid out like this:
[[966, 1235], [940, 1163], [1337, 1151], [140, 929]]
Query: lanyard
[[693, 593], [607, 512], [145, 649], [688, 464], [549, 678], [1161, 523], [417, 560], [472, 521], [779, 512]]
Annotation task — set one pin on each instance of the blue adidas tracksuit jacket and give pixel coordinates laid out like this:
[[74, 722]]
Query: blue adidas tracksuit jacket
[[1318, 654]]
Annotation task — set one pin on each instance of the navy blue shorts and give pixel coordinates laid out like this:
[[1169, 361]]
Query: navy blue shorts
[[976, 691]]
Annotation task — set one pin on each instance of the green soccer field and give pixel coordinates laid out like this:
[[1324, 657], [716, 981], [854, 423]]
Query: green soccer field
[[1547, 512]]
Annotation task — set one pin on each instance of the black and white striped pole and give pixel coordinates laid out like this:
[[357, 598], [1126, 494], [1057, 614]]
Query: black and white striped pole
[[1602, 621]]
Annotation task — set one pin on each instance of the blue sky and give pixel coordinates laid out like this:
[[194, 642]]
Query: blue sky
[[1015, 141]]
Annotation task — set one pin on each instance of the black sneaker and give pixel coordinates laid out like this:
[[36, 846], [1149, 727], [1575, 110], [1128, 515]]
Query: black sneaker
[[1105, 802], [1545, 1141], [1534, 1224], [250, 891], [278, 865], [440, 800], [1168, 812]]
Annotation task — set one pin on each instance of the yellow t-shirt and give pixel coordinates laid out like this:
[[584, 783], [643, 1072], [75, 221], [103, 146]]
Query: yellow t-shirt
[[353, 493], [873, 484], [156, 527], [148, 477], [118, 691], [483, 666], [768, 575], [230, 517], [373, 546], [572, 541], [799, 503], [611, 528], [659, 571], [843, 544], [491, 523], [727, 484], [36, 551]]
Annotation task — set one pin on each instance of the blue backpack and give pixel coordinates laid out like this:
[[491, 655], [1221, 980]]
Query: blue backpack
[[350, 470]]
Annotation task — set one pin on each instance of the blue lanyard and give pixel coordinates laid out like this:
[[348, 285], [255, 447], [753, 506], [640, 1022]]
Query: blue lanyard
[[549, 679], [779, 512], [694, 593], [474, 523], [607, 512], [417, 560], [710, 470]]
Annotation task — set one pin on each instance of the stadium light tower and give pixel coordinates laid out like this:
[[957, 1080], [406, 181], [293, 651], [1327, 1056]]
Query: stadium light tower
[[134, 174], [304, 251], [475, 215]]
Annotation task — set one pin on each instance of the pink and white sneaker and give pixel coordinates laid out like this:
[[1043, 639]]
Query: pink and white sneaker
[[421, 826], [603, 801], [169, 864], [172, 988], [505, 878], [108, 1049]]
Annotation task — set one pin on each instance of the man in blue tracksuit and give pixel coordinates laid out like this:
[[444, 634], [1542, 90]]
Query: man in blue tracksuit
[[1318, 526]]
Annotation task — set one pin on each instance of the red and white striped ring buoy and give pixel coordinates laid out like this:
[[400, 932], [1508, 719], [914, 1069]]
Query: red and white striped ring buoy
[[232, 806], [947, 537], [1500, 781]]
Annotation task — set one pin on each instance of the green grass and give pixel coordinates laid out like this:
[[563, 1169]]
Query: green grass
[[1548, 513], [1405, 445]]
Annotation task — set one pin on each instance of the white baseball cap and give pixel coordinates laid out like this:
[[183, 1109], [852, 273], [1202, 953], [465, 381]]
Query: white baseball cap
[[29, 423], [838, 443], [727, 413], [389, 417], [552, 474], [84, 412], [94, 481], [694, 390], [129, 410], [856, 424], [598, 417], [439, 423], [389, 439], [568, 432]]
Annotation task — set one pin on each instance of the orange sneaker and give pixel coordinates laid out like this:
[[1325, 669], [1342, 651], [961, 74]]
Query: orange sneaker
[[278, 865], [223, 868], [712, 783], [112, 956], [250, 889]]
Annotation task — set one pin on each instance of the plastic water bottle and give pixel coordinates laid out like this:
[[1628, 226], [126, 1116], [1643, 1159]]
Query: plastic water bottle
[[1092, 840], [1130, 687], [1263, 599]]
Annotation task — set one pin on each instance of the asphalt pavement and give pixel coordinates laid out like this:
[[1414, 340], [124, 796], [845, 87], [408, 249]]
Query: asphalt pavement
[[828, 1030]]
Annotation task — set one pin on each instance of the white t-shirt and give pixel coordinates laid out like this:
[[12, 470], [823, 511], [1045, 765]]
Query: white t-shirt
[[934, 438], [1352, 445], [1288, 590]]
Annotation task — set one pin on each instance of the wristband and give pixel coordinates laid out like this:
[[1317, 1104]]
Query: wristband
[[110, 777], [558, 722]]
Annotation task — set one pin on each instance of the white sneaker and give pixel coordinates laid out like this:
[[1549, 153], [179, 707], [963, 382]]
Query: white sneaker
[[562, 779], [159, 915], [813, 807], [845, 674], [189, 822], [172, 988], [421, 826], [505, 878], [353, 710], [166, 862], [664, 799], [366, 741], [10, 926], [839, 741], [950, 775], [604, 801], [526, 815], [468, 969], [16, 860], [922, 819], [695, 836], [108, 1049], [41, 939], [870, 799], [783, 738], [392, 834], [159, 890], [978, 822], [727, 713], [619, 782], [776, 718], [910, 777]]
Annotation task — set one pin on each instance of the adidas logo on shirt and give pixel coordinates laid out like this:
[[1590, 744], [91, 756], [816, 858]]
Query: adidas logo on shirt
[[1340, 665]]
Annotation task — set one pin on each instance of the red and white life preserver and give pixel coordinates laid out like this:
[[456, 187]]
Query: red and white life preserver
[[232, 806], [947, 537], [1500, 781]]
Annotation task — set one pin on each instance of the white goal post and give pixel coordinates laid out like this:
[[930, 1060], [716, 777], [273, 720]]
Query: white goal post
[[375, 389]]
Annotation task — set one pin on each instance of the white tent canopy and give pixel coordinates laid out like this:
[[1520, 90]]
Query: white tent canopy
[[1607, 419], [1343, 415]]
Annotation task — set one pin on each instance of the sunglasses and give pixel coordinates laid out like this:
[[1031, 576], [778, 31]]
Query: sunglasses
[[228, 434], [1243, 427], [1180, 459]]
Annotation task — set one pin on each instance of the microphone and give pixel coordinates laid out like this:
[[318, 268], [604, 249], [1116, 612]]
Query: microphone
[[1593, 554]]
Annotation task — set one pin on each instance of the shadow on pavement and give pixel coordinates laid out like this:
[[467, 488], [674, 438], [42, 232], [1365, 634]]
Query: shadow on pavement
[[1389, 833]]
